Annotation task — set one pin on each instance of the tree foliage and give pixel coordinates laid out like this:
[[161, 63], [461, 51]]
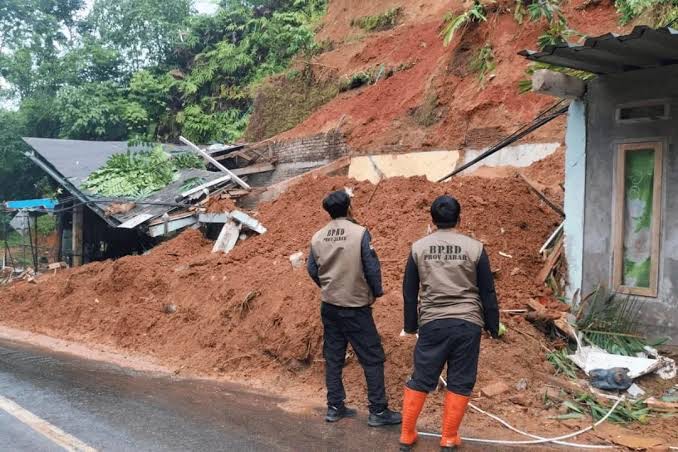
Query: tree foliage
[[139, 69]]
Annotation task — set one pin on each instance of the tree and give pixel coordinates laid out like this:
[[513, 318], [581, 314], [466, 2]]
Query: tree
[[143, 32]]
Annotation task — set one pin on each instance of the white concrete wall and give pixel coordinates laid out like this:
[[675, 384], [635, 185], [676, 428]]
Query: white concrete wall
[[433, 164], [575, 194], [519, 156]]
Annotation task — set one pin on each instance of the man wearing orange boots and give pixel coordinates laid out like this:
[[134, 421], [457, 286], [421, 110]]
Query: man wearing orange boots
[[449, 297]]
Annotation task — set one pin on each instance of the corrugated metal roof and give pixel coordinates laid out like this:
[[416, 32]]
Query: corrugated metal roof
[[643, 48], [71, 161]]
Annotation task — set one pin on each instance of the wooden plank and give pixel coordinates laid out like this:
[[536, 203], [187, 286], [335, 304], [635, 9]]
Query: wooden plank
[[542, 196], [227, 238], [551, 262], [78, 220], [210, 159], [136, 221], [205, 185], [175, 224], [254, 169]]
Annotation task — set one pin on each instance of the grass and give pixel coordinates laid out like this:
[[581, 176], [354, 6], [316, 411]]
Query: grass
[[483, 63], [562, 364], [379, 22], [475, 13]]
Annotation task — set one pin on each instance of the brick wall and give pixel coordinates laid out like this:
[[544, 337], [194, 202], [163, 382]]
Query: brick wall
[[299, 155]]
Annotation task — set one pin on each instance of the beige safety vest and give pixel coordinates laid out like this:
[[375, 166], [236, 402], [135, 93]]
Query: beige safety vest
[[337, 251], [447, 262]]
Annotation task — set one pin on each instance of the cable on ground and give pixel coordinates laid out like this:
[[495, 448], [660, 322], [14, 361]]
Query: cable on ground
[[537, 439]]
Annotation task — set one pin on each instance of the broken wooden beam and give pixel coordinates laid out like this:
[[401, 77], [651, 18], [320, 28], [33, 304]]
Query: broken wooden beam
[[211, 159], [254, 169], [550, 263], [542, 196]]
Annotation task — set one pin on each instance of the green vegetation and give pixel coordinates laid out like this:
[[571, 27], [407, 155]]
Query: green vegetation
[[562, 364], [549, 11], [284, 101], [610, 321], [379, 22], [657, 13], [136, 174], [475, 13], [624, 413], [483, 63], [370, 76], [137, 70]]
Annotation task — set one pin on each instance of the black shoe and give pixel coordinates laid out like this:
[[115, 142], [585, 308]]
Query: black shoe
[[335, 414], [386, 417], [448, 449], [406, 447]]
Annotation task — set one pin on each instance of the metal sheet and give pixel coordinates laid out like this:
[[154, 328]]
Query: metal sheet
[[643, 48], [136, 221]]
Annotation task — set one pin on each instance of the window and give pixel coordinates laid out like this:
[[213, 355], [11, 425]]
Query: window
[[638, 218], [644, 111]]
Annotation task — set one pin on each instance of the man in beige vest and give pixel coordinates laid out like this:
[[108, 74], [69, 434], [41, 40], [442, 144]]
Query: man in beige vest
[[449, 297], [344, 265]]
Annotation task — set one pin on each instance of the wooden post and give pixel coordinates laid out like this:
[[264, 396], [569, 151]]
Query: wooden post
[[78, 220]]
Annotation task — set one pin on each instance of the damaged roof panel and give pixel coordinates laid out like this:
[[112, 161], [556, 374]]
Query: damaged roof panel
[[643, 48], [70, 162]]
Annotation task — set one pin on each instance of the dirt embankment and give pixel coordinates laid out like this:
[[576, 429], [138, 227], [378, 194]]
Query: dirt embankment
[[435, 100]]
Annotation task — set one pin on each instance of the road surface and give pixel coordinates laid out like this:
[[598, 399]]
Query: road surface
[[55, 402]]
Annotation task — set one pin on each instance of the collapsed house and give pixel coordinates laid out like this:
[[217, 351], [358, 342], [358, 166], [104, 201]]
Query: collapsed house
[[621, 200]]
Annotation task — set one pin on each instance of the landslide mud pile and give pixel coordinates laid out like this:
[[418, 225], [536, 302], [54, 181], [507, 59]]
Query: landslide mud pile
[[250, 310]]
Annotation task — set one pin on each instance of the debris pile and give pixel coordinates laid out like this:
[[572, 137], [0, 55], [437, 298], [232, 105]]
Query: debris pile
[[252, 315]]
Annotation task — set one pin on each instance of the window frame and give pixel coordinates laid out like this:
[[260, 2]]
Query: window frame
[[666, 103], [619, 199]]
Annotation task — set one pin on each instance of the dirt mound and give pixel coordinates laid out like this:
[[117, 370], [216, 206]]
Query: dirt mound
[[463, 111], [250, 310]]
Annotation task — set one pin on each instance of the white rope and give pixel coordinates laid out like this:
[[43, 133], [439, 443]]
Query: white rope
[[537, 439]]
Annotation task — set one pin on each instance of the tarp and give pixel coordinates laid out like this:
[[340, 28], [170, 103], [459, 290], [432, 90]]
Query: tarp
[[32, 204]]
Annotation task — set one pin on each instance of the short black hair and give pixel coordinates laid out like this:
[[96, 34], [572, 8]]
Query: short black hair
[[337, 203], [445, 211]]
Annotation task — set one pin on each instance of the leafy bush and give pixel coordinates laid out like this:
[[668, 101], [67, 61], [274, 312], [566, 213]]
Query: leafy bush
[[475, 13], [661, 12], [370, 76], [379, 22], [483, 63], [137, 174]]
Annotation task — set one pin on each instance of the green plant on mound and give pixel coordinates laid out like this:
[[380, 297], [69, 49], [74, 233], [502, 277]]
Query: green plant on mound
[[137, 174], [483, 63], [657, 13], [475, 13], [612, 322], [371, 76], [379, 22]]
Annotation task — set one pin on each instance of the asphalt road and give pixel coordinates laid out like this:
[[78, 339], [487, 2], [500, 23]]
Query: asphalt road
[[90, 405]]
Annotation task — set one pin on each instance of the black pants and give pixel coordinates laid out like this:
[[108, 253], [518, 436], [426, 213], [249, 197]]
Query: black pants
[[355, 326], [452, 341]]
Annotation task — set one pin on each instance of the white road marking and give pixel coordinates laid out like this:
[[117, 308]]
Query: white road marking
[[51, 432]]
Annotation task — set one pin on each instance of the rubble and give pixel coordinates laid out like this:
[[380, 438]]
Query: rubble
[[495, 389]]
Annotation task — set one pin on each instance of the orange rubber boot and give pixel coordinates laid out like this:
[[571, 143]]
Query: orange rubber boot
[[453, 413], [413, 402]]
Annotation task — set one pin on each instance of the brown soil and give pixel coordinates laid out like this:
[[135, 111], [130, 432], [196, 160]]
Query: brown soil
[[250, 315], [380, 117]]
